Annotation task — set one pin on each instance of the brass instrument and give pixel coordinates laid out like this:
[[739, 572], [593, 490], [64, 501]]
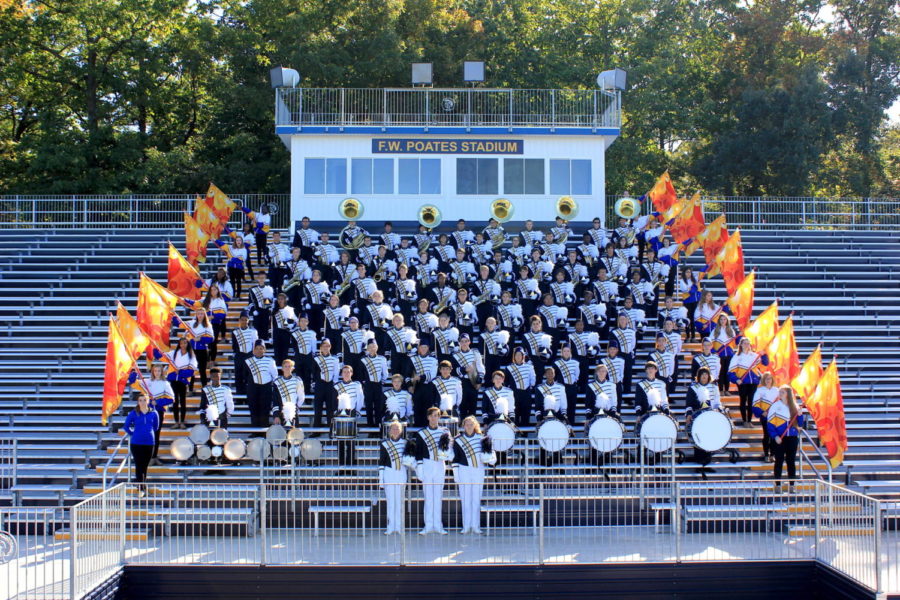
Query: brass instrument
[[442, 305], [344, 284], [378, 276], [566, 208], [626, 208], [429, 216], [292, 282], [502, 210], [350, 209], [354, 244]]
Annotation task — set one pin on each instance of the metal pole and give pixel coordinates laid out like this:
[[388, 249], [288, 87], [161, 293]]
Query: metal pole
[[343, 108], [403, 524], [818, 522], [123, 493], [878, 573], [541, 526], [15, 465], [73, 555], [676, 523], [263, 515]]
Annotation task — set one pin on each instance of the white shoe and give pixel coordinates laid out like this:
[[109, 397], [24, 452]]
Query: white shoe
[[425, 532], [476, 531], [388, 532], [464, 531], [441, 531]]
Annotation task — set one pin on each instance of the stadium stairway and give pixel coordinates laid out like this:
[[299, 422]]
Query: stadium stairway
[[60, 286]]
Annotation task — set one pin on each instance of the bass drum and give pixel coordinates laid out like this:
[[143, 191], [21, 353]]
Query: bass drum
[[710, 430], [657, 431], [235, 449], [604, 433], [258, 449], [553, 435], [502, 434]]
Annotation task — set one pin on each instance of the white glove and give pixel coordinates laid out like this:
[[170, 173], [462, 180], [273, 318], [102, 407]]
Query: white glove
[[419, 472], [489, 458], [381, 478]]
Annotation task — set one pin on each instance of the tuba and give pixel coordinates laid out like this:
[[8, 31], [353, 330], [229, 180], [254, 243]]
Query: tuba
[[502, 210], [351, 209], [429, 216], [566, 208], [626, 208]]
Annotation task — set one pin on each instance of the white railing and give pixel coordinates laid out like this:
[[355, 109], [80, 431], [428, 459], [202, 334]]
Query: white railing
[[34, 553], [148, 211], [101, 526], [442, 107]]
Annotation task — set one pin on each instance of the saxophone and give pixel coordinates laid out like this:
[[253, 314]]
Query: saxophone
[[292, 282], [442, 305], [344, 284]]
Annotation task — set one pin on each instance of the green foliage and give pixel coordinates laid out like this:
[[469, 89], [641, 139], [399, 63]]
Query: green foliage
[[114, 96]]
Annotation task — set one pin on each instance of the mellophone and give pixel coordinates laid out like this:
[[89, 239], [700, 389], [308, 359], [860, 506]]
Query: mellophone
[[709, 429]]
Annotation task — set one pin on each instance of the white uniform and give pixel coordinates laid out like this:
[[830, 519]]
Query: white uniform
[[392, 477], [468, 470], [431, 469]]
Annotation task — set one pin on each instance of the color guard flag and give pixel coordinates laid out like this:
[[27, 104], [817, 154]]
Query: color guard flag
[[154, 310], [805, 383], [206, 218], [689, 221], [663, 193], [184, 280], [196, 240], [135, 339], [741, 302], [764, 328], [221, 204], [711, 239], [119, 364], [730, 261], [826, 405], [782, 350]]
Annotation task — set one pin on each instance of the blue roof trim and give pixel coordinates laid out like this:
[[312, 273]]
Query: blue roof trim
[[337, 130]]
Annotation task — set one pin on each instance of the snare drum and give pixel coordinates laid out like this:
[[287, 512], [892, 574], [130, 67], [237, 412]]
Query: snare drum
[[604, 433], [657, 431], [502, 434], [553, 435], [710, 430], [344, 428], [449, 423], [386, 428]]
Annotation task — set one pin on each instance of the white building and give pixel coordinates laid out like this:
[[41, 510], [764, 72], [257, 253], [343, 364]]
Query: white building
[[459, 149]]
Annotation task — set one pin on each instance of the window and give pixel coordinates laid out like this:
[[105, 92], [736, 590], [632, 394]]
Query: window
[[372, 176], [476, 176], [325, 176], [419, 175], [570, 177], [523, 176]]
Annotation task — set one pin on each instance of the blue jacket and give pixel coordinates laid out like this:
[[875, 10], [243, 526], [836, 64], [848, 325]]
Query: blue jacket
[[142, 427]]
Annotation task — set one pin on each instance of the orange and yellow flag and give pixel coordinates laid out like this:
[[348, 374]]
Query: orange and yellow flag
[[154, 310], [184, 280], [805, 383], [135, 339], [711, 239], [662, 194], [119, 364], [826, 405], [206, 218], [196, 240], [689, 221], [741, 302], [763, 329], [221, 204], [730, 261], [784, 363]]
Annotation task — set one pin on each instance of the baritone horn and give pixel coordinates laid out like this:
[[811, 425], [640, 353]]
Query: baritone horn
[[566, 208], [350, 209], [502, 210], [626, 208], [429, 216]]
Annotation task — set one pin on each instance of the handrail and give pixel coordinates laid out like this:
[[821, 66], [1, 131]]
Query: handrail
[[804, 456], [125, 459]]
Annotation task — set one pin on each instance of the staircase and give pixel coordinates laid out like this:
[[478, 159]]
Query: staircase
[[60, 285]]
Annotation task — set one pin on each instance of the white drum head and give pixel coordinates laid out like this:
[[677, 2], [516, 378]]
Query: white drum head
[[217, 451], [295, 436], [199, 434], [181, 449], [204, 452], [276, 434], [258, 449], [711, 430], [553, 435], [235, 449], [219, 436], [311, 449], [280, 453], [658, 432], [502, 435], [605, 434]]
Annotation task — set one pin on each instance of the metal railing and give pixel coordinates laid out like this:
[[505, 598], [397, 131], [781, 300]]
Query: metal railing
[[552, 520], [34, 553], [433, 107], [9, 463], [124, 463], [164, 211]]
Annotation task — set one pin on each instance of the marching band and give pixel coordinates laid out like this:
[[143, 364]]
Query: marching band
[[447, 333]]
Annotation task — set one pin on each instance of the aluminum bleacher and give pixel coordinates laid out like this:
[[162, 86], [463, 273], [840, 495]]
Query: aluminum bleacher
[[60, 286]]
